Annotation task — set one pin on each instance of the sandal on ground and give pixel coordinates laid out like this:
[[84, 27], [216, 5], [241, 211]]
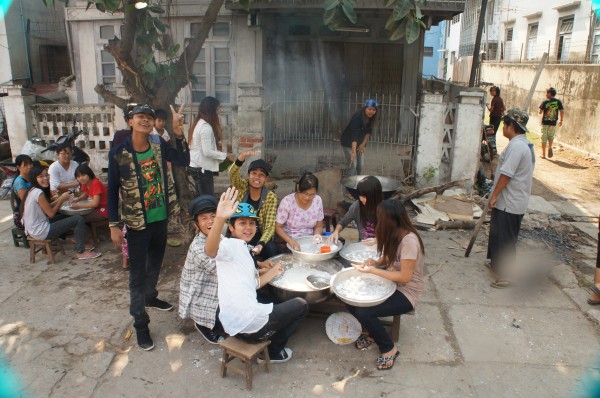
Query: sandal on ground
[[596, 291], [363, 342], [386, 363], [500, 284]]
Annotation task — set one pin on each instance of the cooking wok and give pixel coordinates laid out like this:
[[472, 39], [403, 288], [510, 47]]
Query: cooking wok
[[388, 185]]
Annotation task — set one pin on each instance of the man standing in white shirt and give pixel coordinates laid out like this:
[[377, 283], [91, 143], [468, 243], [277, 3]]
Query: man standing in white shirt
[[510, 195]]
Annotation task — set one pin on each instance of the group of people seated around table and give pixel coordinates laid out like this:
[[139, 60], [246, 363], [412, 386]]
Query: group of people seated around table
[[40, 192], [221, 275]]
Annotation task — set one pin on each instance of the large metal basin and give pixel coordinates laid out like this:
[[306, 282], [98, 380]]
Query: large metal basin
[[388, 185], [348, 273], [67, 210], [311, 295], [351, 251], [313, 256]]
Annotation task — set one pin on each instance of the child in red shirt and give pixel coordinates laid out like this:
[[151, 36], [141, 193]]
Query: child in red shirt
[[94, 190]]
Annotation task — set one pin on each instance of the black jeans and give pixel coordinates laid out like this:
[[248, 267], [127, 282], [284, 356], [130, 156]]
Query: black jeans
[[368, 317], [504, 232], [146, 252], [495, 121], [203, 181], [283, 322]]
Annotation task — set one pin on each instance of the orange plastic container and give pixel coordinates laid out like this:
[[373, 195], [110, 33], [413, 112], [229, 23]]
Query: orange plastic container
[[325, 249]]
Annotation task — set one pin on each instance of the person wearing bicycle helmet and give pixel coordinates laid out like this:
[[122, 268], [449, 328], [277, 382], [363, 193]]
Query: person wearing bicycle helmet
[[356, 134], [240, 312]]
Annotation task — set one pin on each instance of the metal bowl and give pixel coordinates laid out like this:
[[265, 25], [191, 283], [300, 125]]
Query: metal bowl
[[388, 185], [67, 210], [350, 272], [313, 256], [311, 295], [348, 253]]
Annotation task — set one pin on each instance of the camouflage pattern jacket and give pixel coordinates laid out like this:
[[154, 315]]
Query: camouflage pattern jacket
[[124, 177]]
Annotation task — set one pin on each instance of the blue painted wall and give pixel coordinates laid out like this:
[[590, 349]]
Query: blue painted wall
[[433, 40]]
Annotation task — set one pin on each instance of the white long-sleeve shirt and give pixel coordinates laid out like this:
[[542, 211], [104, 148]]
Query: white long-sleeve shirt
[[203, 151]]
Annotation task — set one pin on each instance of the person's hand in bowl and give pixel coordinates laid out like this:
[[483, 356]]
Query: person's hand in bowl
[[317, 239], [333, 238], [266, 265], [294, 245]]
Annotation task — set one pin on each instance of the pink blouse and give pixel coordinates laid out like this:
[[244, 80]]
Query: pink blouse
[[296, 221]]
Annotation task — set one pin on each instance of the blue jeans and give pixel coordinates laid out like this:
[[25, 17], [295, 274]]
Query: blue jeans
[[355, 165], [64, 225], [146, 252], [283, 322], [368, 317]]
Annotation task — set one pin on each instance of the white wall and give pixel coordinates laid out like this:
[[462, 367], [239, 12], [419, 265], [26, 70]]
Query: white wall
[[452, 45]]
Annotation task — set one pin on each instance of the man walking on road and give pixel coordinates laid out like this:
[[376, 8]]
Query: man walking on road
[[550, 110], [137, 170], [510, 195]]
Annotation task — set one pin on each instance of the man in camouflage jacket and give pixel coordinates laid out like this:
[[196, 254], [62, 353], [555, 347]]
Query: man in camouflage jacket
[[137, 170]]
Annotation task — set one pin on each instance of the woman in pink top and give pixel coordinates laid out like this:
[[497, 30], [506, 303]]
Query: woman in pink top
[[402, 260], [301, 213]]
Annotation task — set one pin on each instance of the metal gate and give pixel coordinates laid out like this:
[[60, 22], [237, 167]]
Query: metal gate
[[303, 129]]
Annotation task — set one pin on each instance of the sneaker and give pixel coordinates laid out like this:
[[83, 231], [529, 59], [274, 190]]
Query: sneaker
[[144, 340], [159, 305], [210, 335], [87, 255], [283, 356]]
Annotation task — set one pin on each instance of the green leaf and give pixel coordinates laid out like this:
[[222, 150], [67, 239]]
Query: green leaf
[[349, 12], [150, 67], [330, 4], [420, 21], [402, 11], [329, 17], [155, 8], [389, 24], [418, 13], [172, 50], [412, 30], [390, 3], [100, 7], [160, 25], [399, 32]]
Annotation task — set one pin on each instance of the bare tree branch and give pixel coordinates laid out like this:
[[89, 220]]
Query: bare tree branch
[[110, 97]]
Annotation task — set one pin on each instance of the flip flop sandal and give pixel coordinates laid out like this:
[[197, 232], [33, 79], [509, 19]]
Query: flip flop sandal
[[500, 284], [595, 290], [383, 361], [593, 302], [363, 342]]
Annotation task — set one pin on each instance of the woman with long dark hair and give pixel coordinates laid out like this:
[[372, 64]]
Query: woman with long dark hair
[[402, 261], [300, 213], [363, 211], [205, 137], [356, 134], [37, 210]]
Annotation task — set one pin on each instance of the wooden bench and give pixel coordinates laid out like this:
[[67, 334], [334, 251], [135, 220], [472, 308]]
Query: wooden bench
[[51, 247], [246, 353], [19, 236], [94, 225]]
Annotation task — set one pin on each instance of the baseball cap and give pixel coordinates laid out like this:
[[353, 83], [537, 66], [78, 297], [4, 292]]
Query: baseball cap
[[202, 204], [243, 210], [519, 116], [143, 108], [259, 164], [371, 102], [127, 110]]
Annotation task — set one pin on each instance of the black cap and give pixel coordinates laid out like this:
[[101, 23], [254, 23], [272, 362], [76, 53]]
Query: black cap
[[143, 108], [202, 204], [259, 164]]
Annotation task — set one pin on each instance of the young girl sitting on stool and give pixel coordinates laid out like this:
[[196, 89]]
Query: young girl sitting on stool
[[403, 257]]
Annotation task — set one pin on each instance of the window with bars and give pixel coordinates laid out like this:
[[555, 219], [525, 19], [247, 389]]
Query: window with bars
[[212, 68], [532, 32], [565, 29], [595, 50], [108, 71]]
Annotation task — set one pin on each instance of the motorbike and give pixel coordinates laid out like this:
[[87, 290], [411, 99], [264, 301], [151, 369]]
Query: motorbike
[[488, 143], [79, 154], [8, 173]]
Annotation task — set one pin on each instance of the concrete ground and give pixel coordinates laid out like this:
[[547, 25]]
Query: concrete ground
[[63, 331]]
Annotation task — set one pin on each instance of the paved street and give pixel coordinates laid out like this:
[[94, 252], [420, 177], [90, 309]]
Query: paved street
[[62, 330]]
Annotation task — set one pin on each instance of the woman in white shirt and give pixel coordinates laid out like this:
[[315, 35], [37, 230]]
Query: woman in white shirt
[[205, 142]]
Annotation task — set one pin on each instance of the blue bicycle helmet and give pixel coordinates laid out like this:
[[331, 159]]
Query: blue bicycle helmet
[[371, 102], [244, 210]]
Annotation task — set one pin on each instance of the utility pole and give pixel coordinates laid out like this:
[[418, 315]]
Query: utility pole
[[475, 63]]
